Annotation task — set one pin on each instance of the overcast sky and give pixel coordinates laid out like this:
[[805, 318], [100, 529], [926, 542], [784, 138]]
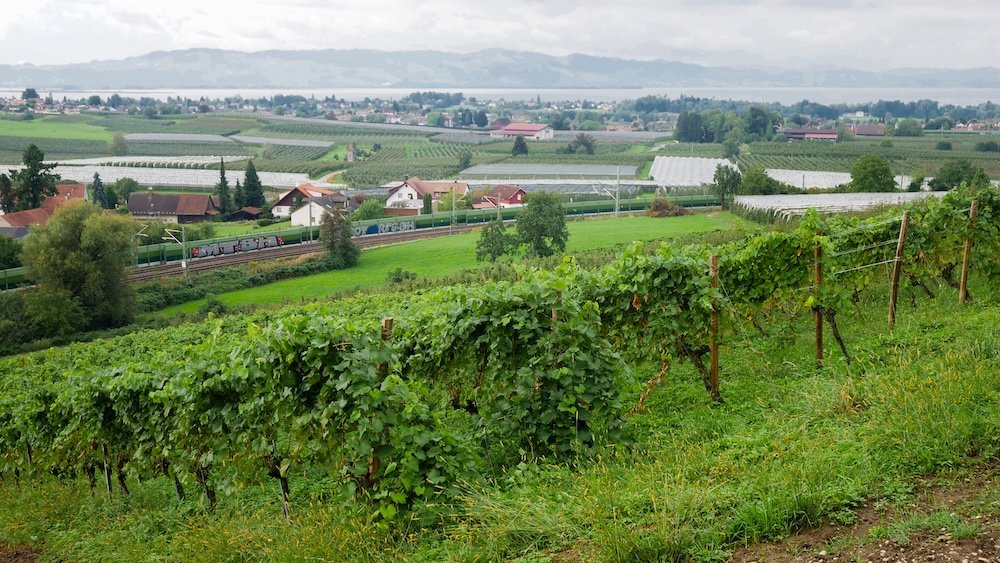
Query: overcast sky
[[865, 34]]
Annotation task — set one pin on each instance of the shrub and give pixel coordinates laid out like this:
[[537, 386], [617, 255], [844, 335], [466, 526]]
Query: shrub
[[399, 275], [663, 207]]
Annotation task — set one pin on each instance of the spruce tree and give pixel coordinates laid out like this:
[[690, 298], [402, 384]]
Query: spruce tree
[[253, 191], [99, 195], [520, 146], [239, 196], [222, 189]]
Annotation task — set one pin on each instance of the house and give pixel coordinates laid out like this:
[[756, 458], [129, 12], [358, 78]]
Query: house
[[810, 134], [245, 214], [298, 194], [534, 131], [16, 224], [407, 198], [352, 153], [311, 213], [868, 130], [502, 196], [499, 123], [172, 208]]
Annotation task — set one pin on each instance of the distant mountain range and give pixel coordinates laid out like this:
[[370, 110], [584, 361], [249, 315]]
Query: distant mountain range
[[491, 68]]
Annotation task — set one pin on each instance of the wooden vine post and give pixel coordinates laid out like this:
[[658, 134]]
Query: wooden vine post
[[817, 309], [897, 269], [383, 372], [963, 287], [713, 341]]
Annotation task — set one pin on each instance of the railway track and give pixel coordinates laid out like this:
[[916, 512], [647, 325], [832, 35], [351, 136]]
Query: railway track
[[144, 273]]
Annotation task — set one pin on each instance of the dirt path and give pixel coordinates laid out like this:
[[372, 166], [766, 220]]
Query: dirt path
[[19, 555], [942, 519]]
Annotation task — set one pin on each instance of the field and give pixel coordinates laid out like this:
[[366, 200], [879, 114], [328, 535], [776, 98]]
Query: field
[[790, 444], [907, 155], [443, 256], [50, 127]]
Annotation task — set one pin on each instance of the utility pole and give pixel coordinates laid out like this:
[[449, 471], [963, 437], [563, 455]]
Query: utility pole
[[172, 235], [618, 185]]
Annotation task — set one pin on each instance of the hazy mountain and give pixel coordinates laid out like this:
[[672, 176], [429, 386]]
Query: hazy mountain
[[491, 68]]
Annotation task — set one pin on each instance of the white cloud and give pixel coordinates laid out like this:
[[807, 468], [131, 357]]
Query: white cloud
[[786, 33]]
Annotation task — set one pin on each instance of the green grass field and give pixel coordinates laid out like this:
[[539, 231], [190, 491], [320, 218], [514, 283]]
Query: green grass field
[[247, 227], [54, 127], [446, 255]]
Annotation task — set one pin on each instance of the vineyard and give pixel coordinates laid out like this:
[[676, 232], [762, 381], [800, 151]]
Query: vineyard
[[192, 125], [904, 157], [465, 375], [161, 148]]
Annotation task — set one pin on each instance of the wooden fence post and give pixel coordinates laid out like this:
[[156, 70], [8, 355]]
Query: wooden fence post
[[713, 341], [897, 269], [817, 310], [963, 287], [387, 328]]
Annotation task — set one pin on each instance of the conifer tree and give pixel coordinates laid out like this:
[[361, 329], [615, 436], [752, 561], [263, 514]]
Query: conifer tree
[[253, 191]]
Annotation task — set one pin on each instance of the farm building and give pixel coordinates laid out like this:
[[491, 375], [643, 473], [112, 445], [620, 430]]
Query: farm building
[[809, 134], [16, 224], [302, 192], [407, 198], [501, 196], [173, 208], [534, 131], [312, 212]]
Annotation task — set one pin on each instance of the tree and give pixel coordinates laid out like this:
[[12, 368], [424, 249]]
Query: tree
[[428, 207], [541, 225], [98, 193], [85, 252], [690, 128], [222, 189], [119, 147], [727, 183], [123, 188], [30, 94], [584, 143], [253, 190], [239, 196], [94, 101], [464, 159], [28, 187], [337, 235], [953, 173], [757, 182], [906, 128], [10, 253], [370, 208], [494, 242], [460, 201], [871, 173], [520, 146], [482, 120]]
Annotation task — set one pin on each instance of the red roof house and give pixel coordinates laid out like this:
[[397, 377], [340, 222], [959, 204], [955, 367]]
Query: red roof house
[[502, 196], [41, 215]]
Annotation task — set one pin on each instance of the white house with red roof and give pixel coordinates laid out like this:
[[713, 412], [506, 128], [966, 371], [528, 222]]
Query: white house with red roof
[[407, 197], [534, 131], [297, 195], [501, 196]]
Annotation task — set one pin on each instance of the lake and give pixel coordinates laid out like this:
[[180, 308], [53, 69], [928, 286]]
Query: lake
[[784, 95]]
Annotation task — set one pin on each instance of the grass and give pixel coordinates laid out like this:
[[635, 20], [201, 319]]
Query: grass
[[54, 127], [792, 446], [247, 227], [446, 255]]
